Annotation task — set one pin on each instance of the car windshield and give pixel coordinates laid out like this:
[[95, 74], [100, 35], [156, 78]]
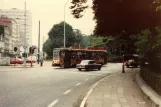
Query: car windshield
[[84, 62]]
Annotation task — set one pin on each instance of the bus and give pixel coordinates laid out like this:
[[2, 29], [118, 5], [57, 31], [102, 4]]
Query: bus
[[70, 57]]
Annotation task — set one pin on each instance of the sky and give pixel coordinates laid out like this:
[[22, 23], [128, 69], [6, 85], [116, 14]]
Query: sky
[[51, 12]]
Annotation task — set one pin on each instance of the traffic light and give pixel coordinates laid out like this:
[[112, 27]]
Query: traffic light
[[24, 55], [30, 50], [15, 49], [33, 50]]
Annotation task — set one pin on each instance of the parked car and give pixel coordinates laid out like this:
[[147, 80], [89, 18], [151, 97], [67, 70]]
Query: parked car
[[88, 65], [16, 61], [132, 63]]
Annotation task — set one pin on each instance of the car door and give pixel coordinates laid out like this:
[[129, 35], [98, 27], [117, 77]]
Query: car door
[[92, 65]]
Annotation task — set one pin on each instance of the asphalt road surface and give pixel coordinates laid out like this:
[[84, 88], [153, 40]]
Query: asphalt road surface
[[48, 86]]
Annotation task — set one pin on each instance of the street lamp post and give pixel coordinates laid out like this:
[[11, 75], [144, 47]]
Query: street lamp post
[[64, 24], [123, 61], [25, 46]]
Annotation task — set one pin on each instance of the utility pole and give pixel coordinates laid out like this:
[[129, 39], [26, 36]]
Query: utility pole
[[42, 46], [39, 44], [25, 45], [64, 24]]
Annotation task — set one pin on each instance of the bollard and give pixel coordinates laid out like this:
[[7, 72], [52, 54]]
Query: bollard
[[123, 70], [31, 61]]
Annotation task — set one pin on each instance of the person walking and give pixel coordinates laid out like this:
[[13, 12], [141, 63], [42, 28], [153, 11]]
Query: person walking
[[41, 61]]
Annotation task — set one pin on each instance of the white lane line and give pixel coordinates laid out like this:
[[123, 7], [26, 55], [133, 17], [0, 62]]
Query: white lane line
[[86, 79], [53, 103], [66, 92], [78, 84]]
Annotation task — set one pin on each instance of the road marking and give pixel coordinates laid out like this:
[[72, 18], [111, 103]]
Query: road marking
[[53, 103], [78, 84], [66, 92], [86, 79]]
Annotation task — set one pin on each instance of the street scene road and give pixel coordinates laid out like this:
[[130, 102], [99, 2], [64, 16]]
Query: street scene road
[[80, 53], [47, 86]]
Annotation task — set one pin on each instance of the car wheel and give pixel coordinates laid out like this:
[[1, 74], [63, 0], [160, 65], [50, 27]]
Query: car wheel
[[99, 68], [63, 66], [79, 69]]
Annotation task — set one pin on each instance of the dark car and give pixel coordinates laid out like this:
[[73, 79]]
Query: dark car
[[132, 63], [88, 65]]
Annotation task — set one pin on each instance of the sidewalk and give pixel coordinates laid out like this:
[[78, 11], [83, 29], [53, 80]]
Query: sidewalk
[[28, 65], [117, 90], [19, 66]]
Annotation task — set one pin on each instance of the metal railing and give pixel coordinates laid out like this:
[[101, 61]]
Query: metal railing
[[152, 79]]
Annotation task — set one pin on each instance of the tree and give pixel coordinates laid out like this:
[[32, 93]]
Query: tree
[[78, 7], [78, 37], [56, 35], [48, 47], [86, 41], [113, 17], [149, 47], [98, 41]]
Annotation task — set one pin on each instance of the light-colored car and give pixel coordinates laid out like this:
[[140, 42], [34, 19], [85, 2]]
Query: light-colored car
[[132, 63], [88, 65]]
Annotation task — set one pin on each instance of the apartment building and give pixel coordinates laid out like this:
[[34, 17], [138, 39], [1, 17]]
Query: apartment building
[[9, 36], [19, 16]]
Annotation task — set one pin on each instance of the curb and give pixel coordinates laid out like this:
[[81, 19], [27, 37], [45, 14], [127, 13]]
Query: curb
[[150, 95]]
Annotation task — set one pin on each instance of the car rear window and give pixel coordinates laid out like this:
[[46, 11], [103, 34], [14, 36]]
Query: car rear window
[[91, 62]]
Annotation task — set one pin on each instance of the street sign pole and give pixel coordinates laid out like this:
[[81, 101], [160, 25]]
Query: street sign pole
[[39, 44], [31, 61], [25, 46], [123, 70]]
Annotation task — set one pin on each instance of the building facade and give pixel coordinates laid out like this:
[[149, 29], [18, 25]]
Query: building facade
[[19, 16], [9, 36]]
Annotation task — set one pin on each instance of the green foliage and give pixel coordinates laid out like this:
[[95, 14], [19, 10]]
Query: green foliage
[[78, 37], [100, 41], [56, 35], [114, 58], [97, 41], [148, 47], [78, 7], [146, 43], [85, 41], [48, 47], [113, 17], [56, 38]]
